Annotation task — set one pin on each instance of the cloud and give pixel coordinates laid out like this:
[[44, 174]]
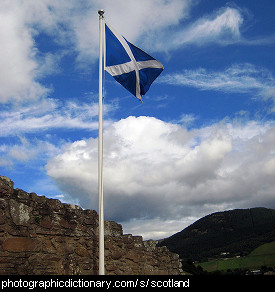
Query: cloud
[[17, 58], [157, 228], [238, 78], [222, 27], [187, 119], [136, 21], [22, 152], [29, 153], [49, 114], [70, 22], [161, 171], [23, 63]]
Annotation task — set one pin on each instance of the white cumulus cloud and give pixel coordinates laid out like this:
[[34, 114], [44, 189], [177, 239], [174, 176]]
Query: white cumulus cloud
[[17, 57], [154, 170]]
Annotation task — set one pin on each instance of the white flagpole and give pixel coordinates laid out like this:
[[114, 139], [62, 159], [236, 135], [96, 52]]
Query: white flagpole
[[100, 153]]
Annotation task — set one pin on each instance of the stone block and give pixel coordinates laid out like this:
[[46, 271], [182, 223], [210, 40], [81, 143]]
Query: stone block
[[21, 244]]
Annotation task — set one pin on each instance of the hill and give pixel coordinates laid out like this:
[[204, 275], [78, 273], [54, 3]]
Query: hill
[[259, 259], [229, 233]]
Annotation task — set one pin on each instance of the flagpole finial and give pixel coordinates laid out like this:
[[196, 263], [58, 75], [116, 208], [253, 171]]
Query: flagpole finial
[[100, 12]]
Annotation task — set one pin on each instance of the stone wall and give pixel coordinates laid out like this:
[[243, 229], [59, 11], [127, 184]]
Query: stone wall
[[44, 236]]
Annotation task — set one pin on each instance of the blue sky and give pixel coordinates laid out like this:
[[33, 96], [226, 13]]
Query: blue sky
[[203, 139]]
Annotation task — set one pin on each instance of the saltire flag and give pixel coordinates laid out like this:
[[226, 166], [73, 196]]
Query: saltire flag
[[130, 66]]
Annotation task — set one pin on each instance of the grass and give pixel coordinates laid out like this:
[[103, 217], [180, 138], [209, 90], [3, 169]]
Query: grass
[[264, 255]]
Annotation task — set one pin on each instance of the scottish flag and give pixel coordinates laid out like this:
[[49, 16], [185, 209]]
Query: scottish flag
[[129, 65]]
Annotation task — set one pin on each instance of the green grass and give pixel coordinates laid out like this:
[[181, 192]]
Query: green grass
[[264, 255]]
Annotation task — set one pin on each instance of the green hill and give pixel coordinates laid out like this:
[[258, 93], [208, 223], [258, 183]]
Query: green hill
[[232, 233], [262, 256]]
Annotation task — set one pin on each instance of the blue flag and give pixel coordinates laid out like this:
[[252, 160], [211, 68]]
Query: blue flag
[[130, 66]]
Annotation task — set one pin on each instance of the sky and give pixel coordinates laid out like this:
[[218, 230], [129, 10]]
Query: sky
[[202, 141]]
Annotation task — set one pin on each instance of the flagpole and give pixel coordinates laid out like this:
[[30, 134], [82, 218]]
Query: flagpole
[[101, 270]]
